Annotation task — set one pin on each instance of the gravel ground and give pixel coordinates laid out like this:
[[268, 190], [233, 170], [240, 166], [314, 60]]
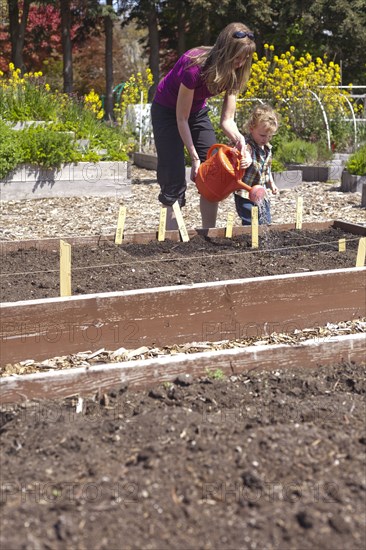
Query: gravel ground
[[82, 216]]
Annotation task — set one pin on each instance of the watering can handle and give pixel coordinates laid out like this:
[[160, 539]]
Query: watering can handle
[[232, 149], [239, 172], [213, 147], [217, 146]]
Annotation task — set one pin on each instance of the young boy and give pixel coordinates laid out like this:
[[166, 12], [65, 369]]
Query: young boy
[[261, 126]]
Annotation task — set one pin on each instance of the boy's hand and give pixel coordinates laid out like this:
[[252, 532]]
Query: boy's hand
[[273, 187]]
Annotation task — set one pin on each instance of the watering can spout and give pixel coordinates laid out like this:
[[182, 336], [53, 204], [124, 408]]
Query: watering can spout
[[220, 175]]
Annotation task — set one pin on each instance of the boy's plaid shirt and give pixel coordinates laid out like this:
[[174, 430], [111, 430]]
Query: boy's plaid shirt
[[259, 172]]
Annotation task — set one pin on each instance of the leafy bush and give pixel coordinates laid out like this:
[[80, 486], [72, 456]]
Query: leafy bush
[[46, 147], [28, 97], [294, 84], [10, 150], [114, 141], [297, 152], [277, 166], [356, 164]]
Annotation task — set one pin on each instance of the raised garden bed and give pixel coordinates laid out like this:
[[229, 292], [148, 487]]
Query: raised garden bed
[[319, 172], [351, 183], [249, 461], [220, 285], [255, 447], [98, 265], [100, 179], [146, 160], [288, 179]]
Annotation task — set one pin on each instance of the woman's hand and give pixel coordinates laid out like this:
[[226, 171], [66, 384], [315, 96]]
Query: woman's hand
[[194, 169], [246, 157]]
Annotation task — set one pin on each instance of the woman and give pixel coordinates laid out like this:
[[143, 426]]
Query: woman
[[180, 114]]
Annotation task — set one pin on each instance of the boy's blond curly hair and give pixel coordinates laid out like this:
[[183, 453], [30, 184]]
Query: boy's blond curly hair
[[262, 114]]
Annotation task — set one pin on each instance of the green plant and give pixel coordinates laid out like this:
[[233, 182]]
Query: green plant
[[302, 89], [324, 153], [277, 166], [361, 131], [114, 140], [216, 374], [341, 132], [26, 97], [10, 149], [46, 148], [297, 151], [356, 164]]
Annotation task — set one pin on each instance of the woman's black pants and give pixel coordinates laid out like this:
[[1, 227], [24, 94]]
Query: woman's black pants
[[171, 171]]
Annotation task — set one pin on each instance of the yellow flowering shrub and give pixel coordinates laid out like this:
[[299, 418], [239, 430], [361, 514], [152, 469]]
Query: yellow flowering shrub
[[26, 97], [135, 86], [71, 118], [289, 82], [93, 103]]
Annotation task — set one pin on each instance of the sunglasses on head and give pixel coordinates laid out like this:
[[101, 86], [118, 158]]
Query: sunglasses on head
[[241, 34]]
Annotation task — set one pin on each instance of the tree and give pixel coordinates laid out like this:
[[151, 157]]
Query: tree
[[154, 46], [43, 35], [146, 13], [17, 24], [65, 12], [108, 29], [333, 27]]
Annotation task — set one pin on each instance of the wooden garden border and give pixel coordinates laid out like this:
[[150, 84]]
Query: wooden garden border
[[142, 374], [40, 329]]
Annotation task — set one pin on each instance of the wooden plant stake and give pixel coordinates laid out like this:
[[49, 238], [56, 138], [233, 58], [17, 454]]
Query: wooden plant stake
[[342, 245], [361, 252], [299, 204], [181, 225], [162, 224], [65, 268], [229, 225], [254, 226], [120, 224]]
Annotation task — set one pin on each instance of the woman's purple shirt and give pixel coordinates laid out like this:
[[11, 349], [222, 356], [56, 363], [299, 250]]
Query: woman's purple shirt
[[183, 73]]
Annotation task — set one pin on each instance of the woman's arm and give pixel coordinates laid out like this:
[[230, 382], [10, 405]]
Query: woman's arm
[[227, 121], [183, 110], [228, 125]]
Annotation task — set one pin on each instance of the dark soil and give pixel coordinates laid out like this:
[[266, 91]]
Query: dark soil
[[264, 460], [31, 274], [259, 461]]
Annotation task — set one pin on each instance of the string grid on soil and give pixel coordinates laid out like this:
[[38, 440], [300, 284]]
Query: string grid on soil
[[31, 274]]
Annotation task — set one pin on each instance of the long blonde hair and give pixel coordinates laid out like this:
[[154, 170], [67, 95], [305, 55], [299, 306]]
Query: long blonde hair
[[217, 61]]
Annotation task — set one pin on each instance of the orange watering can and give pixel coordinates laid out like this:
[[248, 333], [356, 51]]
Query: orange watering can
[[220, 175]]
